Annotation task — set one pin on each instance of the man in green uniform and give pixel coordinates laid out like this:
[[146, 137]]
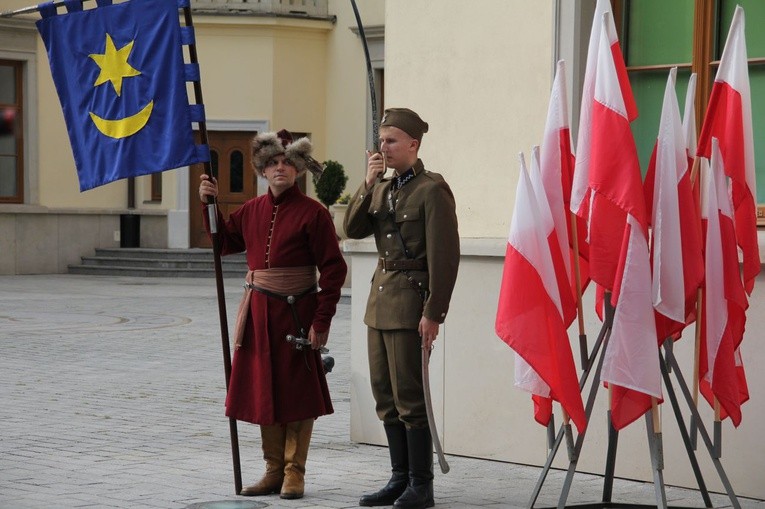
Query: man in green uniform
[[412, 216]]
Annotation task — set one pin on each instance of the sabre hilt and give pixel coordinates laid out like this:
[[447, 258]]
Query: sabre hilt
[[301, 343]]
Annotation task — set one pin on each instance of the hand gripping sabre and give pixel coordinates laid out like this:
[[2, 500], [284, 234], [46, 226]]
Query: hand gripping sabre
[[429, 409]]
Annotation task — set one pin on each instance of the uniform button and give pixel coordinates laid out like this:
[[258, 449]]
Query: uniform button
[[385, 271], [380, 288], [389, 235], [361, 196], [443, 314], [404, 216], [375, 212], [387, 253]]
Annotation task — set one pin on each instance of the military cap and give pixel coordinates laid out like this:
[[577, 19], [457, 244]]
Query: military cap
[[406, 120]]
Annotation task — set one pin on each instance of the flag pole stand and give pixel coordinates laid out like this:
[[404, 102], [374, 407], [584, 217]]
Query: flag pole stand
[[668, 364]]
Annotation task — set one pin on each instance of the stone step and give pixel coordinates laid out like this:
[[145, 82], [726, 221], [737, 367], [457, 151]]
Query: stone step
[[107, 270], [187, 254], [144, 262], [163, 263]]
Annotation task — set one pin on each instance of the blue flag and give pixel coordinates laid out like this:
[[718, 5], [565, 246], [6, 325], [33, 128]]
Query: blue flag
[[121, 80]]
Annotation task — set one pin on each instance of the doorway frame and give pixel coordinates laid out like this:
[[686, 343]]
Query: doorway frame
[[179, 219]]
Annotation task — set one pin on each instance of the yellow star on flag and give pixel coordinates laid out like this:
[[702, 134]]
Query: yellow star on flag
[[114, 65]]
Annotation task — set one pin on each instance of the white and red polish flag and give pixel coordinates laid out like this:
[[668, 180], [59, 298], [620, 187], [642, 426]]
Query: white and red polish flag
[[729, 119], [689, 119], [619, 258], [531, 321], [721, 372], [607, 183], [631, 359], [559, 252], [676, 250], [557, 167], [690, 216]]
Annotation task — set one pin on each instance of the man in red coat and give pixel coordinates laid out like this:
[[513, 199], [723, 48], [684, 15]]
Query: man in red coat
[[287, 237]]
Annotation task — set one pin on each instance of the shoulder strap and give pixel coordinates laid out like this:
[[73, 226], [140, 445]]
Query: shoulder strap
[[415, 286]]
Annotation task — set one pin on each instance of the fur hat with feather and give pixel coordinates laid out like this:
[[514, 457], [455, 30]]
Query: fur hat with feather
[[266, 146]]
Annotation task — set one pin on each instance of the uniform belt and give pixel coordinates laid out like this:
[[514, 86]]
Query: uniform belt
[[419, 264]]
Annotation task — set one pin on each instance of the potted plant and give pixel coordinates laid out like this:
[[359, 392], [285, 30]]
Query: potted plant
[[331, 184], [329, 187]]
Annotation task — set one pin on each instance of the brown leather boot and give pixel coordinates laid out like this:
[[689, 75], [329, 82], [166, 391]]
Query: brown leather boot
[[295, 456], [273, 438]]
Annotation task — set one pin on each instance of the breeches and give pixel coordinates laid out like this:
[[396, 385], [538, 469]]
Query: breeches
[[395, 369]]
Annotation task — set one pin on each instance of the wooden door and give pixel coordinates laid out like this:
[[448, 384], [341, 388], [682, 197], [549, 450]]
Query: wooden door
[[232, 166]]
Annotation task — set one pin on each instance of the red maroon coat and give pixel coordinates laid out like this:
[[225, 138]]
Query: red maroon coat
[[271, 382]]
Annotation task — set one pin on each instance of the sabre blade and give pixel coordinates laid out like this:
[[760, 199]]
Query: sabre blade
[[429, 410], [370, 78]]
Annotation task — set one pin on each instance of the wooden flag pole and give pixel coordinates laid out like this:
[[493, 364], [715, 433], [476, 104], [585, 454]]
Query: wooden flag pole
[[656, 417], [696, 358], [583, 349], [213, 218], [696, 178]]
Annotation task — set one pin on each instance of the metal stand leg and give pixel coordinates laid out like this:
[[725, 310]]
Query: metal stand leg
[[668, 363], [613, 441], [689, 447], [605, 333], [551, 432], [717, 449], [559, 436], [694, 433], [702, 429], [569, 434], [657, 460]]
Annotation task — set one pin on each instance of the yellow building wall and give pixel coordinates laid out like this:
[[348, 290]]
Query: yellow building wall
[[347, 88], [483, 87]]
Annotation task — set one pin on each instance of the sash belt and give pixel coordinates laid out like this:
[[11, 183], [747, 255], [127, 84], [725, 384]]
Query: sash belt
[[285, 283], [286, 298]]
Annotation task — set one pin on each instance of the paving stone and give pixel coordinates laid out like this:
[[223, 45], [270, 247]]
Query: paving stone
[[112, 394]]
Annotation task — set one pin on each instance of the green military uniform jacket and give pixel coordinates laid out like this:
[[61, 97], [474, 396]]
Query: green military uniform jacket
[[426, 217]]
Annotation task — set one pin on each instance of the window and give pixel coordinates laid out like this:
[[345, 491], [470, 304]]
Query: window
[[236, 169], [11, 141], [657, 35], [156, 187]]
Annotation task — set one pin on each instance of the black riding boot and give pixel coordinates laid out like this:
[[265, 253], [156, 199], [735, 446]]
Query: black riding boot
[[399, 462], [419, 492]]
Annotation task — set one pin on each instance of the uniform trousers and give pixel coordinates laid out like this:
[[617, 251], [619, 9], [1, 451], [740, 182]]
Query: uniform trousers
[[395, 369]]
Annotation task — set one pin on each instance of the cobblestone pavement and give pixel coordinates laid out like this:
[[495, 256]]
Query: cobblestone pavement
[[112, 390]]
